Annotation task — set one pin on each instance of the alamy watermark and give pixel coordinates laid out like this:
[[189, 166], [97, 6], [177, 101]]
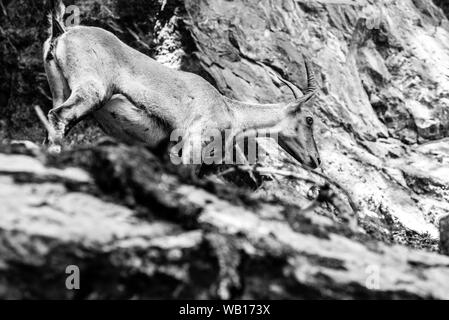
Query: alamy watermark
[[215, 146], [72, 281], [373, 277], [73, 16]]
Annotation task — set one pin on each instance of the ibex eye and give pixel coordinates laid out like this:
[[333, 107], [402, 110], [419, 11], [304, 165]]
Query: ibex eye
[[309, 121]]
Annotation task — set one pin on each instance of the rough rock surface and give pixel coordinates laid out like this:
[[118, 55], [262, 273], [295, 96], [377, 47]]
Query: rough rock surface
[[136, 230], [383, 108], [140, 229]]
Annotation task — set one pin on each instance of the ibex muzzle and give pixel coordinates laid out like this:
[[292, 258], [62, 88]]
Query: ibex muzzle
[[300, 144], [91, 72]]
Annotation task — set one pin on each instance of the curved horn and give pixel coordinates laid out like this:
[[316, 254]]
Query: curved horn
[[312, 88], [312, 85]]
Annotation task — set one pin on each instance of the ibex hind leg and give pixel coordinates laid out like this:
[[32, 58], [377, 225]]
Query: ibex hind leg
[[82, 101], [59, 87]]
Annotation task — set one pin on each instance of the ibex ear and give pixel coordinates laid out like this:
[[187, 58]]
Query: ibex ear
[[295, 107], [308, 97]]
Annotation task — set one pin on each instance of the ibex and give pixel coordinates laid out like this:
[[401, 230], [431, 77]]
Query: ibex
[[134, 98]]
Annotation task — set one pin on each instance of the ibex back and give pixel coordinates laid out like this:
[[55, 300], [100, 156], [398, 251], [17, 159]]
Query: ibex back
[[136, 99]]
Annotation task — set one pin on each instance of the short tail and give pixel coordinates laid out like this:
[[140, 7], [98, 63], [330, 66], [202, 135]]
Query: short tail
[[56, 10]]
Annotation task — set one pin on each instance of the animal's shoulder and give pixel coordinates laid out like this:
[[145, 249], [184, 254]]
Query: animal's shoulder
[[85, 35]]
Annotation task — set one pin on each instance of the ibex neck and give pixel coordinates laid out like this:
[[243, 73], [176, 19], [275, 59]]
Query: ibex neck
[[256, 116]]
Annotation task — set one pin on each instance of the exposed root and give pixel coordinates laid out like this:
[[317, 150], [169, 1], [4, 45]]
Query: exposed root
[[325, 195]]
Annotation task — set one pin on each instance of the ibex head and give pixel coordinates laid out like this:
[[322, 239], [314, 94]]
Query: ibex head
[[297, 138]]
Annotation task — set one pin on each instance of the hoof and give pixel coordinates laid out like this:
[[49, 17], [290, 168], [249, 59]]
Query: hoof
[[25, 144], [54, 149], [313, 192], [25, 147]]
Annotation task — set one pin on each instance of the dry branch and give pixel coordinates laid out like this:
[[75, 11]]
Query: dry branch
[[44, 120]]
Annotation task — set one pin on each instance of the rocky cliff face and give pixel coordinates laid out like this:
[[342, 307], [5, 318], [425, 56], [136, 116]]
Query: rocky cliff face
[[383, 108], [132, 223], [137, 229]]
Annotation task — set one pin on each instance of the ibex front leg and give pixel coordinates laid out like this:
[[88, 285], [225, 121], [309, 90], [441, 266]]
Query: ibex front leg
[[82, 101]]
